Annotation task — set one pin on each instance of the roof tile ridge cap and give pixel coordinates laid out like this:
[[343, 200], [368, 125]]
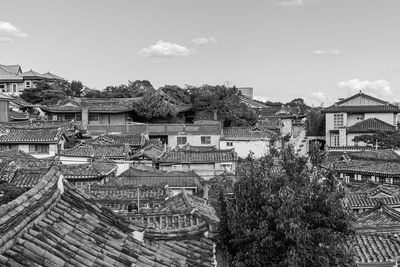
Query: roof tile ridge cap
[[186, 200]]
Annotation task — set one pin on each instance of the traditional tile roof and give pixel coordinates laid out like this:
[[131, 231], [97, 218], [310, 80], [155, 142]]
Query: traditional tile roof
[[28, 178], [381, 155], [370, 167], [150, 152], [253, 103], [174, 179], [245, 134], [10, 73], [153, 142], [23, 136], [134, 140], [51, 76], [18, 116], [54, 225], [97, 151], [371, 124], [12, 69], [179, 157], [13, 154], [93, 170], [370, 194], [381, 218]]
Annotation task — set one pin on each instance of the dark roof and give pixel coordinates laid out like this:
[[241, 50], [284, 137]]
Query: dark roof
[[133, 139], [381, 155], [104, 105], [20, 102], [180, 157], [245, 133], [370, 194], [379, 168], [18, 116], [371, 124], [379, 105], [23, 136], [150, 152], [93, 170], [381, 218], [177, 179], [97, 151], [55, 225], [253, 103]]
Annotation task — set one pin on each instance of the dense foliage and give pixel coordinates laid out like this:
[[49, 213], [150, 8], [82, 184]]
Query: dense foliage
[[137, 88], [315, 123], [9, 192], [45, 93], [286, 214], [382, 139]]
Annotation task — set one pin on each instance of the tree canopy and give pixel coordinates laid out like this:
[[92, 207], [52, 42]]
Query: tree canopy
[[45, 93], [137, 88], [382, 139], [290, 214]]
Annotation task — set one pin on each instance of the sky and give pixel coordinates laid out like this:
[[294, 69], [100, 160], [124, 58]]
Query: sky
[[318, 50]]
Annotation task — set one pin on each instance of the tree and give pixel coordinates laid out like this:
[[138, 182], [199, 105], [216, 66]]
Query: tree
[[287, 214], [75, 89], [152, 106], [45, 93], [315, 124], [382, 139], [9, 192]]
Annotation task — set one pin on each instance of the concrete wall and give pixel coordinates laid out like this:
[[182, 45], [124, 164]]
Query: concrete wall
[[286, 126], [329, 125], [4, 111], [243, 148], [52, 151], [350, 141], [194, 140]]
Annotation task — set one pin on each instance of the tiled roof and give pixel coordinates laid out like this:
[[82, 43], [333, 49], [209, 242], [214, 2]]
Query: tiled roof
[[175, 179], [245, 133], [93, 170], [28, 178], [137, 140], [153, 142], [13, 154], [106, 105], [12, 69], [51, 76], [381, 155], [151, 152], [22, 136], [370, 194], [371, 124], [381, 218], [378, 168], [253, 103], [362, 109], [54, 225], [198, 157], [97, 151], [32, 73]]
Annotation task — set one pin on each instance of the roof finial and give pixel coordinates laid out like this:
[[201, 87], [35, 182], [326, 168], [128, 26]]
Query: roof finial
[[360, 92]]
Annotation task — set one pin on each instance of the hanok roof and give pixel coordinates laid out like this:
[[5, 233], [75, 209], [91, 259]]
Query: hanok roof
[[53, 224], [370, 167], [245, 134], [51, 76], [150, 152], [179, 157], [96, 105], [93, 170], [13, 69], [175, 179], [10, 73], [371, 124], [32, 74], [380, 155], [23, 136], [253, 103], [381, 218], [370, 194], [114, 151], [137, 140], [360, 103]]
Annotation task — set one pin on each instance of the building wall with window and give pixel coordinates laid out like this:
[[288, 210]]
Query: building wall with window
[[41, 150], [243, 148], [194, 140], [204, 170]]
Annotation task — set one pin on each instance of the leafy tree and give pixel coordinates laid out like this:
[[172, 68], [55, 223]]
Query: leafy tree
[[75, 89], [382, 139], [315, 124], [287, 214], [177, 93], [151, 106], [225, 101], [137, 88], [44, 93]]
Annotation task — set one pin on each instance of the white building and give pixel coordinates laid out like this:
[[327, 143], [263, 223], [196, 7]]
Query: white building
[[357, 115]]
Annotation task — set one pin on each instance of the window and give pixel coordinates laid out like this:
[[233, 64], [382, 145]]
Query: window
[[360, 117], [38, 148], [69, 117], [28, 84], [337, 121], [226, 166], [54, 117], [78, 117], [2, 87], [206, 140], [93, 117], [394, 119], [336, 140], [7, 147], [177, 167], [14, 87], [229, 143], [181, 140], [389, 180]]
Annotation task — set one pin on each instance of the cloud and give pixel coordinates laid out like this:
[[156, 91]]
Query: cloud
[[330, 52], [7, 30], [319, 96], [289, 3], [204, 40], [379, 88], [5, 40], [165, 49]]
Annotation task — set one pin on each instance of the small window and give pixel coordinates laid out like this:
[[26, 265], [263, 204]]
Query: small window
[[2, 87], [229, 143], [28, 84], [181, 140], [54, 117], [69, 117], [337, 120], [177, 167], [38, 148], [93, 117], [78, 117], [336, 140], [206, 140], [226, 166], [14, 87]]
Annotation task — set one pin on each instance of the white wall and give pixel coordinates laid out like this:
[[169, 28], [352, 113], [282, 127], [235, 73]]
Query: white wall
[[386, 117], [194, 140], [243, 148], [350, 137]]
